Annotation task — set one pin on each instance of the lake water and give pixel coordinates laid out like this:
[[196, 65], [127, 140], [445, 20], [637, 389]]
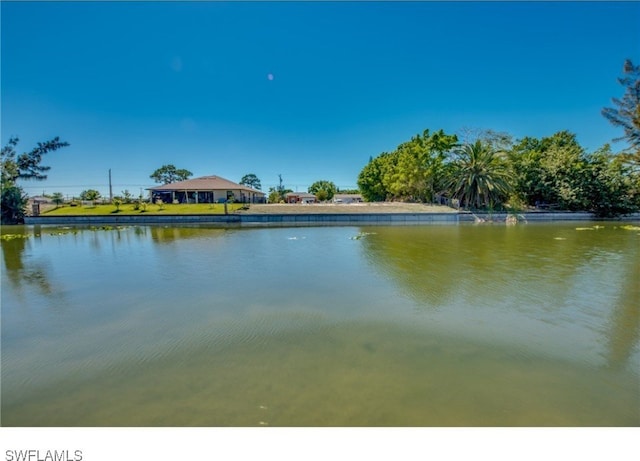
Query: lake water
[[443, 325]]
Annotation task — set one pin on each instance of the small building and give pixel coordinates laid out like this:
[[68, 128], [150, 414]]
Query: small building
[[300, 197], [206, 189], [347, 198], [40, 199], [34, 203]]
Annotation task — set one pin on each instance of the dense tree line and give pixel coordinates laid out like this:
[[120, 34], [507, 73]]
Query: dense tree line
[[493, 172]]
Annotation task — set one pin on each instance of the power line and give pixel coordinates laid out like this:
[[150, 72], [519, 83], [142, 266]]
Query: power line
[[47, 186]]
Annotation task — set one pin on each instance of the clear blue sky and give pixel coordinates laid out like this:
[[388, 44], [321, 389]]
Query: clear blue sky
[[306, 90]]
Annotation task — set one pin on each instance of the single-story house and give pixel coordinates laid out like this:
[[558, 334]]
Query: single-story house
[[300, 197], [347, 198], [206, 189]]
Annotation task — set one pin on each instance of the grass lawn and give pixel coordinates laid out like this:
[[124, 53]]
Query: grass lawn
[[152, 209]]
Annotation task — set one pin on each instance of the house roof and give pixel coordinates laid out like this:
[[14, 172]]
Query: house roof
[[299, 194], [347, 196], [205, 183], [41, 199]]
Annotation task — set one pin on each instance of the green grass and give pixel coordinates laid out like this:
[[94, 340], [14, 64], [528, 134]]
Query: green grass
[[152, 209]]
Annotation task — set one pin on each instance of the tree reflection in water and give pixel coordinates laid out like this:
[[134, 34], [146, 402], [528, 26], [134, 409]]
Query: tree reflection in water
[[542, 271], [16, 241]]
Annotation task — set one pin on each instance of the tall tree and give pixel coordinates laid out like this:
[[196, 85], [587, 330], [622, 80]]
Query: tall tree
[[414, 171], [525, 171], [612, 188], [626, 113], [370, 179], [28, 164], [421, 165], [251, 180], [550, 170], [564, 167], [14, 166], [167, 174]]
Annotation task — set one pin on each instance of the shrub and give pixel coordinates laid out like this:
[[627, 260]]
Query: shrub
[[14, 205], [140, 205], [126, 196]]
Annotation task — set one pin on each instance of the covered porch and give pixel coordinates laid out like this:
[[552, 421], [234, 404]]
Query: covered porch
[[188, 196], [207, 189]]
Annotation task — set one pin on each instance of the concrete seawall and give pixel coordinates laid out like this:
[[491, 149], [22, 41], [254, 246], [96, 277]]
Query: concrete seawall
[[255, 219], [538, 216], [271, 220]]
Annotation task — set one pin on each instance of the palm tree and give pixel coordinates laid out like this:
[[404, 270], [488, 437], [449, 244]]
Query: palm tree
[[479, 176]]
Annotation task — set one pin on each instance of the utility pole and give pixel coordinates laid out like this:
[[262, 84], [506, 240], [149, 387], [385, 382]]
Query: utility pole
[[110, 188]]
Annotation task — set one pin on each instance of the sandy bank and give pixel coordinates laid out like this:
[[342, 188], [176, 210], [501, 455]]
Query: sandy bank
[[353, 208]]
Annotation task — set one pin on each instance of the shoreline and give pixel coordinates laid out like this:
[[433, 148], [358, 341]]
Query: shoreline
[[321, 219]]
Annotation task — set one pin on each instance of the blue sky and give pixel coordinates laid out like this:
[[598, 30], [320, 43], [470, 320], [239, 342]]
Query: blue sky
[[307, 90]]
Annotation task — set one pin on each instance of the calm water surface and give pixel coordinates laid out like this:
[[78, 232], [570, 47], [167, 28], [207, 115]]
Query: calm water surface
[[469, 325]]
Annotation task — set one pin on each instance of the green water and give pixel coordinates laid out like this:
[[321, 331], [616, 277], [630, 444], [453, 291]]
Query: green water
[[469, 325]]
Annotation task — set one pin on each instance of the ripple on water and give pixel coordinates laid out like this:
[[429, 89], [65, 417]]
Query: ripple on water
[[415, 326], [349, 374]]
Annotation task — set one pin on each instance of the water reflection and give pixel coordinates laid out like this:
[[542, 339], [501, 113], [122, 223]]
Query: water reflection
[[420, 263], [536, 275], [165, 234], [16, 247]]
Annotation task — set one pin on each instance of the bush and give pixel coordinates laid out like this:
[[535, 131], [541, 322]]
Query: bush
[[140, 205], [14, 205], [274, 197]]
